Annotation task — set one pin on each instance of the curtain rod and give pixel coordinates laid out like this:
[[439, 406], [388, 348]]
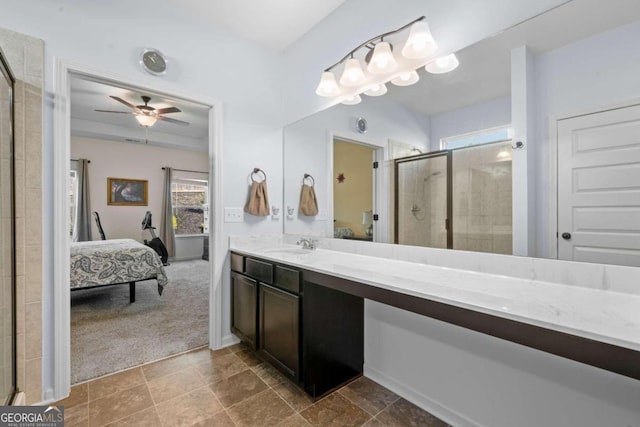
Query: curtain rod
[[186, 170], [77, 160]]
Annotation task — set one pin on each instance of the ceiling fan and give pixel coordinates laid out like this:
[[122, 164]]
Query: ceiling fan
[[145, 114]]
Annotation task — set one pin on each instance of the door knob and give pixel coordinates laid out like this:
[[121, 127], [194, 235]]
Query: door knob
[[566, 236]]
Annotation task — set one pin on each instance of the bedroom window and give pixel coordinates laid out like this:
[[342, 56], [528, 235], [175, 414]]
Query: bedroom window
[[190, 206], [73, 197]]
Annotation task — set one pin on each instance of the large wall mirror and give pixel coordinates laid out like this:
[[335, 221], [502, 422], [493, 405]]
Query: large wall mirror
[[584, 123]]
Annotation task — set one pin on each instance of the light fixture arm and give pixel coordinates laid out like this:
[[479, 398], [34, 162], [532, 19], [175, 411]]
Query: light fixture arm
[[371, 40]]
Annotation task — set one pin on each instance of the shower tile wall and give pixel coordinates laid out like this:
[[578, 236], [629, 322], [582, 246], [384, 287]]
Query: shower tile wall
[[482, 199], [25, 55]]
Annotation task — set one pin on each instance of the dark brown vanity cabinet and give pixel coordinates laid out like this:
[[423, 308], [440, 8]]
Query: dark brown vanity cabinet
[[279, 329], [311, 333], [265, 314], [244, 296]]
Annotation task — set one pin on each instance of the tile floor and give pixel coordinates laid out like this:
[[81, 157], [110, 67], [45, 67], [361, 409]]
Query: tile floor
[[229, 387]]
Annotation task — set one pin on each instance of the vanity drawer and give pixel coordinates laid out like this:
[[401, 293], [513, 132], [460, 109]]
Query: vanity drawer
[[288, 279], [260, 270], [237, 263]]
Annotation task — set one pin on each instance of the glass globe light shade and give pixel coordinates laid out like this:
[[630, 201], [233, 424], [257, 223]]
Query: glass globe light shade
[[382, 60], [352, 74], [444, 64], [406, 79], [355, 99], [328, 85], [146, 120], [420, 42], [376, 90]]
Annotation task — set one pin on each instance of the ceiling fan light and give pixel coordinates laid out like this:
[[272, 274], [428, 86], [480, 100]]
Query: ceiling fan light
[[328, 85], [376, 90], [420, 42], [382, 60], [352, 74], [353, 100], [443, 64], [406, 79], [146, 120]]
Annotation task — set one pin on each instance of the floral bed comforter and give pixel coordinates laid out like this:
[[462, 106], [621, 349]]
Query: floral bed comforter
[[109, 262]]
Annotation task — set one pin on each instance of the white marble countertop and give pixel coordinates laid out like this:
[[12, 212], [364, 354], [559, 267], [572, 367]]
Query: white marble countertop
[[602, 315]]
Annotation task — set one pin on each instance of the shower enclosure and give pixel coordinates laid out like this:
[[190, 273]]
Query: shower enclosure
[[7, 238], [455, 199]]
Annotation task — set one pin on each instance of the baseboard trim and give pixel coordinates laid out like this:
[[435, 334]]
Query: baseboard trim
[[417, 398], [229, 340], [20, 399]]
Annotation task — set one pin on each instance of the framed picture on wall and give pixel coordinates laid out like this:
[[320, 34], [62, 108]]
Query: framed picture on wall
[[127, 192]]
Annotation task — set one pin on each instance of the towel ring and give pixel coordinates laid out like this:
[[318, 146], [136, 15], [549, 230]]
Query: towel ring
[[307, 176], [257, 171]]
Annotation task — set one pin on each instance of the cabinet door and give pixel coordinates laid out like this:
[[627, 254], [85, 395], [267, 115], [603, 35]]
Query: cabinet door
[[333, 338], [244, 292], [279, 341]]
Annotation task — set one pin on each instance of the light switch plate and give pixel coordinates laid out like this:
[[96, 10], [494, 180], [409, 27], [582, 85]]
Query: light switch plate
[[233, 215]]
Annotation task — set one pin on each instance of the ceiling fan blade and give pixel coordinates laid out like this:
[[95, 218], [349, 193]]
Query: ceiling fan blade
[[119, 112], [168, 110], [177, 122], [133, 107]]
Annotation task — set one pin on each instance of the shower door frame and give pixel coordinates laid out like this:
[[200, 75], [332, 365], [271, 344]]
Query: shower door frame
[[5, 71], [396, 201]]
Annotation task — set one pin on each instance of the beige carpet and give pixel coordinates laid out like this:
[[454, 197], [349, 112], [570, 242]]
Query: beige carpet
[[109, 334]]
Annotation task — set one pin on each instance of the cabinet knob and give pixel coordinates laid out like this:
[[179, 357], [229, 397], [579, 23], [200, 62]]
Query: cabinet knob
[[566, 236]]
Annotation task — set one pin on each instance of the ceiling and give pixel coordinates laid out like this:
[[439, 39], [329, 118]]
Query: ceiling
[[275, 24], [88, 96], [484, 71]]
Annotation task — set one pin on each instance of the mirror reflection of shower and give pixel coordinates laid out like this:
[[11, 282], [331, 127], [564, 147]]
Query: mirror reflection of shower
[[418, 207], [471, 211]]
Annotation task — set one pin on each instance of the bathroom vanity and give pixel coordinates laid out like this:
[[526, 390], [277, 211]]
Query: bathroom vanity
[[319, 294], [298, 321]]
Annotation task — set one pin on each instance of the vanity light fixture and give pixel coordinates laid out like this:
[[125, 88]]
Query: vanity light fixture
[[385, 61]]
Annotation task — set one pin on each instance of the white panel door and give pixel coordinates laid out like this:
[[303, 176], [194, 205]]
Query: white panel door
[[599, 187]]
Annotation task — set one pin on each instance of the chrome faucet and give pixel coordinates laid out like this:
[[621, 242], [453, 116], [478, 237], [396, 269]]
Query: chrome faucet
[[308, 243]]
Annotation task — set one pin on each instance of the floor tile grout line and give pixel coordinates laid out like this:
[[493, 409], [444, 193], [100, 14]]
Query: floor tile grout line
[[377, 413]]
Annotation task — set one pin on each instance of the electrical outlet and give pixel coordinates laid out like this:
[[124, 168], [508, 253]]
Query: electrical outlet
[[275, 213], [233, 215]]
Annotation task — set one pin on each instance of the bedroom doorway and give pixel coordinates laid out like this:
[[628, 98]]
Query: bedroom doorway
[[192, 188]]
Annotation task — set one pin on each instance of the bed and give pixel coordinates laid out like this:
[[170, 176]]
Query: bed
[[114, 262]]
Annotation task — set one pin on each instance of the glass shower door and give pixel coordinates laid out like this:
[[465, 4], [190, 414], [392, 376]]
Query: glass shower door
[[423, 200], [7, 238]]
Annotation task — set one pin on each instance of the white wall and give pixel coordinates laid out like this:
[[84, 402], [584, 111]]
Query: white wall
[[471, 379], [574, 80], [483, 115], [307, 148], [135, 161], [455, 24], [204, 61]]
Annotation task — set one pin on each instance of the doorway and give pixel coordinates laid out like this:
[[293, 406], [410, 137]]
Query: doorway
[[62, 128], [353, 190], [599, 187]]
